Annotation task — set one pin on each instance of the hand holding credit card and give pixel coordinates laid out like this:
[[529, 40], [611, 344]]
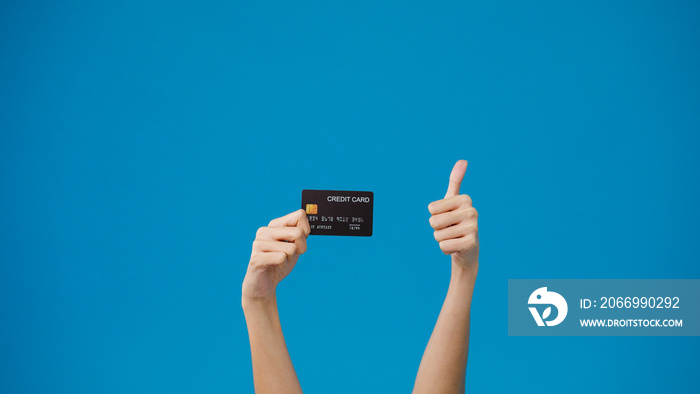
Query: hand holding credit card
[[338, 212]]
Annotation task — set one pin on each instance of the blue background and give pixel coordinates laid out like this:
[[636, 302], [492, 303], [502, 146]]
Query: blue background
[[144, 142]]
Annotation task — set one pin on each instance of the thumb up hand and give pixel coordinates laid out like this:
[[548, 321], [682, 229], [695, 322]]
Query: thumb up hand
[[455, 222]]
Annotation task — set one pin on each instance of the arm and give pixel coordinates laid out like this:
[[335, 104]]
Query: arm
[[444, 364], [276, 250]]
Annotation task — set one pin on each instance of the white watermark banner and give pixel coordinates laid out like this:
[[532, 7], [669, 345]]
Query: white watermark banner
[[604, 307]]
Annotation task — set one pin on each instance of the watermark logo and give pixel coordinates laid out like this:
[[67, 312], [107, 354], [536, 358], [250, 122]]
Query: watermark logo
[[543, 297]]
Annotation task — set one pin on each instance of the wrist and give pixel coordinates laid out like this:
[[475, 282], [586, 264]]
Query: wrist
[[464, 274], [259, 305], [462, 280]]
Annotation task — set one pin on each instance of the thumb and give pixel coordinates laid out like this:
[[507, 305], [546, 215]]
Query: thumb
[[456, 178]]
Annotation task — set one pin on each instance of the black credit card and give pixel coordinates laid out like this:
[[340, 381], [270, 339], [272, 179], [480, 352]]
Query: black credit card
[[338, 212]]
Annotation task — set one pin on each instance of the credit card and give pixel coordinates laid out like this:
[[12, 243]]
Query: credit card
[[338, 212]]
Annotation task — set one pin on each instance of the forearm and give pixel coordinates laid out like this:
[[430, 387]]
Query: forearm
[[444, 363], [273, 371]]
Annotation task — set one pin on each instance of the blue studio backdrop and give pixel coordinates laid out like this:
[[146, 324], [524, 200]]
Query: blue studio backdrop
[[142, 143]]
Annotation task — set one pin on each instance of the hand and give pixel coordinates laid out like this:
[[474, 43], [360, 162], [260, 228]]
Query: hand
[[275, 252], [455, 222]]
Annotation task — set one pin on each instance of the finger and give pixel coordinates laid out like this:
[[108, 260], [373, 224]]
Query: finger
[[456, 245], [457, 231], [447, 219], [288, 248], [456, 177], [289, 234], [450, 246], [303, 223], [267, 259], [301, 245], [450, 204], [296, 218]]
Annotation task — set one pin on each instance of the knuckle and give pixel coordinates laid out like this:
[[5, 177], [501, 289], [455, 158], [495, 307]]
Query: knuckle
[[257, 261], [297, 233], [465, 199], [462, 213], [468, 242], [469, 228], [261, 231], [279, 258], [461, 229], [445, 248]]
